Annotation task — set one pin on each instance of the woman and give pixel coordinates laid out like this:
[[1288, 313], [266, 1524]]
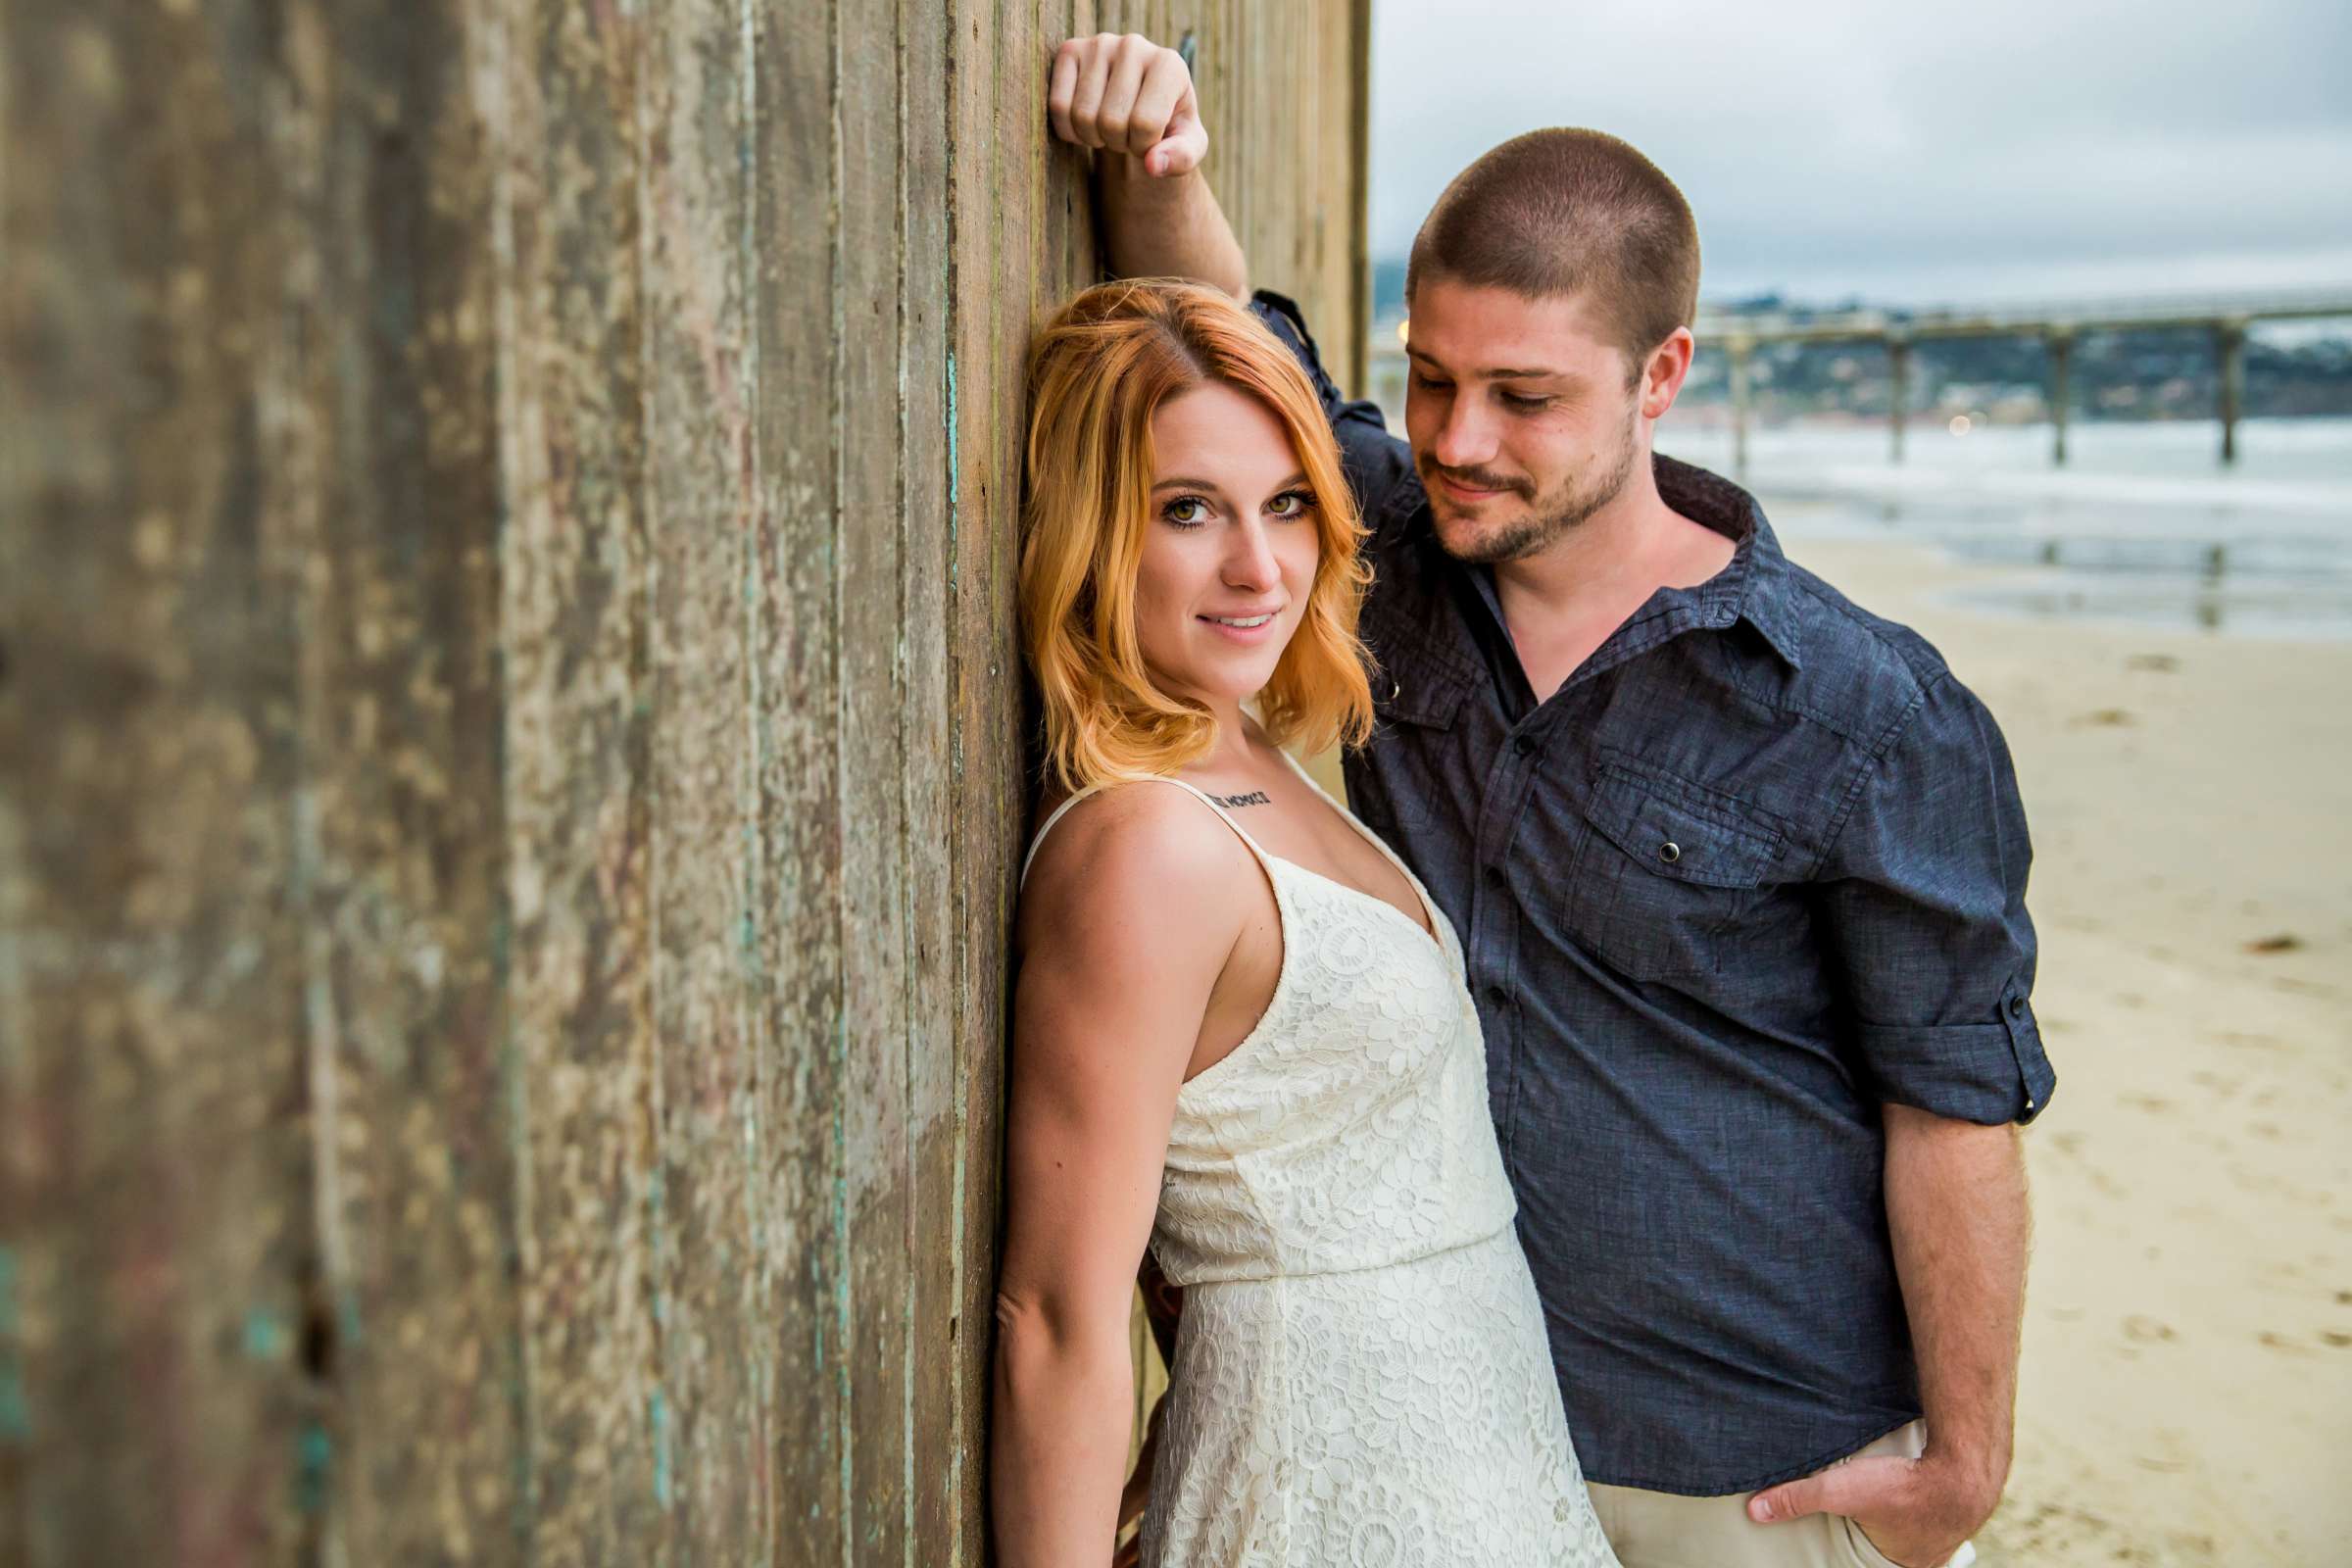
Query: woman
[[1240, 1029]]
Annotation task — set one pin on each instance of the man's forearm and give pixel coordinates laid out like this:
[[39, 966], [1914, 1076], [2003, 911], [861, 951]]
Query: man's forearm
[[1956, 1211], [1169, 226]]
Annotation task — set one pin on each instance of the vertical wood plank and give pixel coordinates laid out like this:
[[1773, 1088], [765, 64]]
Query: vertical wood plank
[[388, 435], [994, 201], [693, 199], [869, 583], [151, 1223], [930, 801], [581, 1063], [1356, 156], [796, 717]]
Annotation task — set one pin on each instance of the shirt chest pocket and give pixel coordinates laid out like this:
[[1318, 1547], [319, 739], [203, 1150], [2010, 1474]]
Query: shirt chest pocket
[[1661, 877], [1415, 701]]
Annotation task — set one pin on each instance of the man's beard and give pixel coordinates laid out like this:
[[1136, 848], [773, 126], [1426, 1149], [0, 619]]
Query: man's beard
[[1547, 516]]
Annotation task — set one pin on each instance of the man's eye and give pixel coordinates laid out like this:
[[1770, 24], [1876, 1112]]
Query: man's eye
[[1515, 401], [1430, 383]]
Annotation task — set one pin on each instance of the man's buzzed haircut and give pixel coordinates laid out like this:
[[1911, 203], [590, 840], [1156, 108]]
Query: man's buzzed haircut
[[1565, 211]]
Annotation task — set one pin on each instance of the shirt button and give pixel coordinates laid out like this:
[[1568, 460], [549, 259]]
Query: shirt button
[[2017, 1007], [1670, 851], [1525, 746], [1497, 995]]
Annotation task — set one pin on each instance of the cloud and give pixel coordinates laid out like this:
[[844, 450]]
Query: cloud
[[1835, 140]]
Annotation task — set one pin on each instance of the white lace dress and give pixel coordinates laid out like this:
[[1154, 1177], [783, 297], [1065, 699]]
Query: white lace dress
[[1361, 1373]]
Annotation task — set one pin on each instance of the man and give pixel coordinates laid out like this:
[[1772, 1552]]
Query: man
[[1739, 870]]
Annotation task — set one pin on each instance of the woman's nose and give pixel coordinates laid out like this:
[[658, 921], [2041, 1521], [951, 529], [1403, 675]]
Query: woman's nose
[[1250, 562]]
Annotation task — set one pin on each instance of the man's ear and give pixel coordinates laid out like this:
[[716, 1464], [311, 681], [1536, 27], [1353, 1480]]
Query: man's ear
[[1665, 370]]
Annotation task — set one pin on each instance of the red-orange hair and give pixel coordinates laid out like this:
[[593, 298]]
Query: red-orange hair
[[1096, 374]]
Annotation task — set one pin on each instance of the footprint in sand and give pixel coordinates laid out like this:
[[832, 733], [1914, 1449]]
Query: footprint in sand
[[2147, 1330]]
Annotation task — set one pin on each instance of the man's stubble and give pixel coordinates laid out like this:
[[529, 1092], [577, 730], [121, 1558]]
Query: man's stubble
[[1547, 516]]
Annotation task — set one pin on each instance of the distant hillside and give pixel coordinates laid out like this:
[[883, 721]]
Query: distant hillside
[[2134, 376]]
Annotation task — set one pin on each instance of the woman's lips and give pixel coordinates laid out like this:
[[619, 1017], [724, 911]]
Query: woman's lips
[[1243, 634]]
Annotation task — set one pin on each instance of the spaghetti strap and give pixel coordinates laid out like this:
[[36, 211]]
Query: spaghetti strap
[[1202, 795]]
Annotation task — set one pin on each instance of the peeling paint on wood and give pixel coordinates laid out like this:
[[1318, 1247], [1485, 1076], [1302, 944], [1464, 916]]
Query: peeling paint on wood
[[509, 753]]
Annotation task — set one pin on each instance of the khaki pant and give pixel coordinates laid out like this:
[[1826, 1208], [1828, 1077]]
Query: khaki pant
[[1660, 1529]]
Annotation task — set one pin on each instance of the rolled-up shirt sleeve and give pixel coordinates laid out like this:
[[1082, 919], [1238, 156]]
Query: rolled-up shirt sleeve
[[1378, 465], [1924, 909]]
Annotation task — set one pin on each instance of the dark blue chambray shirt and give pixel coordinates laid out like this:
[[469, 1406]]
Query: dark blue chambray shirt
[[1756, 867]]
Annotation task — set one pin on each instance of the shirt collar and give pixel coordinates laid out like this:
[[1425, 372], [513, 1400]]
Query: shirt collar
[[1758, 584]]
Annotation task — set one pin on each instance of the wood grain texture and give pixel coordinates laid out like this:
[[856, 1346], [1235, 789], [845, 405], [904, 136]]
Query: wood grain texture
[[387, 447], [869, 585], [695, 201], [154, 1164], [511, 767], [936, 1428], [796, 725]]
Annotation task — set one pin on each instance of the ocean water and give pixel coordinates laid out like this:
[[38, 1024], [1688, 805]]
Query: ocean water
[[2143, 524]]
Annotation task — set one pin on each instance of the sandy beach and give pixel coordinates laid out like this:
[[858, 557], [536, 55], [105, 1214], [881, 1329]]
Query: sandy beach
[[2186, 1391], [2186, 1388]]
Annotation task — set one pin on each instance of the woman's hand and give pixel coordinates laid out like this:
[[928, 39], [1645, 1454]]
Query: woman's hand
[[1126, 94]]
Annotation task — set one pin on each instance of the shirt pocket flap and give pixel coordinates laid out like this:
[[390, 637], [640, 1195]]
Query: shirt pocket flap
[[1678, 839], [1416, 690]]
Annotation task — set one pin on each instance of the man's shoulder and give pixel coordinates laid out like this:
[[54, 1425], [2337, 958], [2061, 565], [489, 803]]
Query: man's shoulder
[[1863, 673]]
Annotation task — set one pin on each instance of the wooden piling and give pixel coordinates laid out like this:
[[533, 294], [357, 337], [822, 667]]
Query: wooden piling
[[2061, 347], [2229, 347], [1899, 381], [1741, 349], [509, 767]]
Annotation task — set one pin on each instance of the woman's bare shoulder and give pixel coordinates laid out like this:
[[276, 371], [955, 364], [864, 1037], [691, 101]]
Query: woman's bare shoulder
[[1135, 849]]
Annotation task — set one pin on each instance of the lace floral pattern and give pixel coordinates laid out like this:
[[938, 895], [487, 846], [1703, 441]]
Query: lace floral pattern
[[1362, 1375]]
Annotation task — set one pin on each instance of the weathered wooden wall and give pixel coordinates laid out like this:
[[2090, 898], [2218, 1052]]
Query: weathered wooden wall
[[508, 771]]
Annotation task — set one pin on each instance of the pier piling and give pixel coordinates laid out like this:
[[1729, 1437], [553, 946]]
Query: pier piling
[[2229, 343], [1898, 371], [2061, 346]]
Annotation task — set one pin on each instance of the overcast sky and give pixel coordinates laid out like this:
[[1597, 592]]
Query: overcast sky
[[1912, 153]]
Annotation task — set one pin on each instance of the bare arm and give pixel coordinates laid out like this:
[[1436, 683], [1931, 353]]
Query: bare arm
[[1126, 924], [1132, 101], [1957, 1216], [1956, 1211]]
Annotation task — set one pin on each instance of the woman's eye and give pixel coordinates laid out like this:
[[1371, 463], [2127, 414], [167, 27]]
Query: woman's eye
[[1185, 511], [1292, 504]]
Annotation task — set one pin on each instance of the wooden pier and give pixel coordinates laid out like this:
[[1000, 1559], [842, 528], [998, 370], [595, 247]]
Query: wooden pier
[[2059, 327]]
